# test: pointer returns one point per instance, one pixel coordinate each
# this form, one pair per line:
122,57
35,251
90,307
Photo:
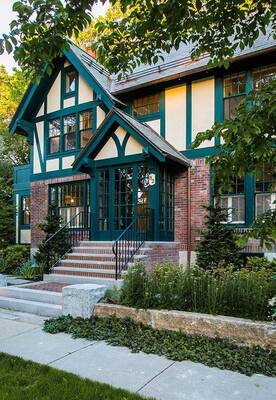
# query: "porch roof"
144,131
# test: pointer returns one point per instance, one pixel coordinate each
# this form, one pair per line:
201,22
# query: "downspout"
189,218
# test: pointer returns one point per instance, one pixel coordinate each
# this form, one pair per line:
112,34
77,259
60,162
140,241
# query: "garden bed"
238,330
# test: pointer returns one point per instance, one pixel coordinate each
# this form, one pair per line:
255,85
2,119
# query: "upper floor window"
69,131
234,201
54,135
263,75
233,93
70,82
146,105
85,127
25,210
265,189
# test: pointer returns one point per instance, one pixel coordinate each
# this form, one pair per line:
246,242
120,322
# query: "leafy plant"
26,270
173,345
218,245
113,294
16,255
56,247
243,293
3,264
260,263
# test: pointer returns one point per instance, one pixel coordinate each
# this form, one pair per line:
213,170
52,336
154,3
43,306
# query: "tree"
249,141
147,27
217,247
52,250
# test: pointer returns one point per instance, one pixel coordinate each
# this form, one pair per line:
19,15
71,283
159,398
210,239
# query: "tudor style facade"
113,149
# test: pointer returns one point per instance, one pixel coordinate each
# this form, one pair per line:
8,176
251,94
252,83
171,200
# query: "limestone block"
79,300
3,280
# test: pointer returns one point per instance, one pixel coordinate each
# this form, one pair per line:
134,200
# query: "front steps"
92,262
23,299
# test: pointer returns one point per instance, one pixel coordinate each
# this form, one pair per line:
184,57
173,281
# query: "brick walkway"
50,286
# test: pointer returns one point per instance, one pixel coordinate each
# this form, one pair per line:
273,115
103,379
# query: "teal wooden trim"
68,110
200,153
125,143
249,181
219,113
53,174
148,117
124,160
248,82
21,177
105,96
188,115
118,145
162,115
63,93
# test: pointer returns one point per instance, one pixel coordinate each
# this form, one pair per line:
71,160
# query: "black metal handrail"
130,240
68,236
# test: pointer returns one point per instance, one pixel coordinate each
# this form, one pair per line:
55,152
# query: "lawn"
25,380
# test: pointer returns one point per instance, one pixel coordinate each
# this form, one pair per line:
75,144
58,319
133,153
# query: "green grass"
174,345
25,380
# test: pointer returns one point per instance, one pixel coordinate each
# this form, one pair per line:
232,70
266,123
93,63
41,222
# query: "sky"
7,15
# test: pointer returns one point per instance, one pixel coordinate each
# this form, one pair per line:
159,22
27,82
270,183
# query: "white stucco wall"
100,116
154,124
175,116
53,97
203,107
85,91
109,150
67,162
70,102
52,165
133,147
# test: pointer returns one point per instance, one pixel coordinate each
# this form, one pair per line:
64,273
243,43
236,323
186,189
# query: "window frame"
50,137
80,131
232,96
150,114
21,218
65,72
75,132
264,192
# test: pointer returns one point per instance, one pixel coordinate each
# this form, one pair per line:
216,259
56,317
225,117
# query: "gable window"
69,132
234,201
233,93
263,75
146,105
25,210
265,189
54,136
85,127
70,82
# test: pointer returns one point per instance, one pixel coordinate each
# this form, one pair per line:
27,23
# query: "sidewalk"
148,375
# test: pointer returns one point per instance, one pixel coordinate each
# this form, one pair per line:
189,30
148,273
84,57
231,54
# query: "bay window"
263,75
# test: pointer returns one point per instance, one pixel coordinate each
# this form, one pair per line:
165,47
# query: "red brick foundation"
39,204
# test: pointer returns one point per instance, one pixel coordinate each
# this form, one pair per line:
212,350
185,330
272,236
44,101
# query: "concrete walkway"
149,375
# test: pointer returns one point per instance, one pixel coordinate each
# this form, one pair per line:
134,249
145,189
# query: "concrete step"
90,272
31,307
42,296
86,264
89,243
104,250
76,279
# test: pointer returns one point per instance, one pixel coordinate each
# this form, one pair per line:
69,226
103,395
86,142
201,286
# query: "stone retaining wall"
238,330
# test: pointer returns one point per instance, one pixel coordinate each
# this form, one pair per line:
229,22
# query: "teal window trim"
66,95
62,151
219,112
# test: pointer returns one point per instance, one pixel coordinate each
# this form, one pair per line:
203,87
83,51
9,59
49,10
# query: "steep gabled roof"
157,145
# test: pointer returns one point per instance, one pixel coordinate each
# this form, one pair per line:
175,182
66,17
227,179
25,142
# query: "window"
103,200
234,92
265,196
69,131
234,201
71,199
25,210
54,136
263,75
70,82
166,202
146,105
85,127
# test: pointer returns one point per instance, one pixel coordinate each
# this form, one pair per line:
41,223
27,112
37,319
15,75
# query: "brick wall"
200,194
39,203
161,252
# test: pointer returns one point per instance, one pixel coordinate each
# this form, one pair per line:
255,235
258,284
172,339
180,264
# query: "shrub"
16,255
29,270
218,246
3,264
241,293
113,295
260,263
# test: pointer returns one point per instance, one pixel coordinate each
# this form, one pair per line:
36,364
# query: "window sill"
63,153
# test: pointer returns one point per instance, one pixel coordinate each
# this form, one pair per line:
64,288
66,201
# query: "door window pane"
124,207
25,210
103,199
166,202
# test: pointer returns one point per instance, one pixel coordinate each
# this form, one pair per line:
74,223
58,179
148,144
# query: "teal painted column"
249,198
188,115
219,112
162,115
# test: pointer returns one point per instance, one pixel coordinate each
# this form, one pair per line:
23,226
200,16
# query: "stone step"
76,279
104,250
89,243
31,307
94,264
42,296
89,272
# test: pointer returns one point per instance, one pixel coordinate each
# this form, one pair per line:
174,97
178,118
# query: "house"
108,152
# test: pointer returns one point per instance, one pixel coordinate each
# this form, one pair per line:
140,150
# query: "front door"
123,193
